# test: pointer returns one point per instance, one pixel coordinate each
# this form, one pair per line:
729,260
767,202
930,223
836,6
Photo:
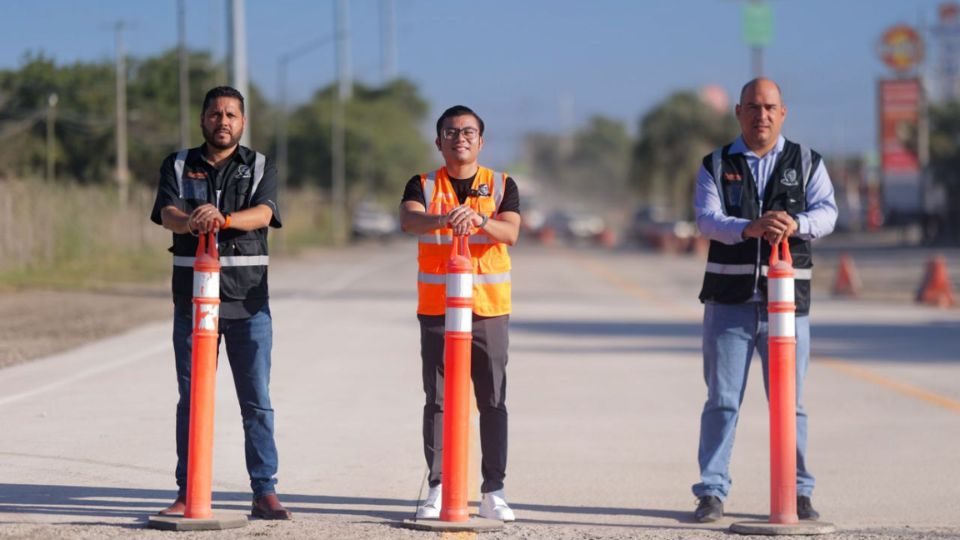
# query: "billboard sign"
901,48
900,106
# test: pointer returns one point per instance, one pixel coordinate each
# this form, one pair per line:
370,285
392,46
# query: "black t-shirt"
510,202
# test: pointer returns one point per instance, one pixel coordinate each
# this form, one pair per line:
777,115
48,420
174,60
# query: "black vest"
243,254
733,271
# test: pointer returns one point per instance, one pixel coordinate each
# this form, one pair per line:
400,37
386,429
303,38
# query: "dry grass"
63,235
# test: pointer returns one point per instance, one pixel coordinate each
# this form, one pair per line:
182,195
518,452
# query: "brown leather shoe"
176,508
269,507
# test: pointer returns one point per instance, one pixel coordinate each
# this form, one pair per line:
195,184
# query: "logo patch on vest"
732,177
198,175
482,191
789,178
243,171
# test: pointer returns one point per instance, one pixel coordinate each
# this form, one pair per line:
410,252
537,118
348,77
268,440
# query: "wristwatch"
483,221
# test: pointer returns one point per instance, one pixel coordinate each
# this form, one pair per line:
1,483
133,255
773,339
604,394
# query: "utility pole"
338,161
184,74
123,172
238,58
51,140
388,41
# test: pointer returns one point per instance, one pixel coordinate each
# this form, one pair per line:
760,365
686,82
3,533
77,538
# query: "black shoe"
805,509
709,509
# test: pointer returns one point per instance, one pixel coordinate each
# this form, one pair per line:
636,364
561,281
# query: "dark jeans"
248,344
488,370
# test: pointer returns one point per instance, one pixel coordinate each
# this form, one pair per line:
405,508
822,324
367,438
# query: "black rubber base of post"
474,524
802,528
217,522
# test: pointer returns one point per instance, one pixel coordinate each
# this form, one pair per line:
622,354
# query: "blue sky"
522,64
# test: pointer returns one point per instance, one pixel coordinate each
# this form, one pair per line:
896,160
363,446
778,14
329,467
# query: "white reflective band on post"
798,273
782,325
780,290
237,260
459,285
206,284
208,316
730,269
458,320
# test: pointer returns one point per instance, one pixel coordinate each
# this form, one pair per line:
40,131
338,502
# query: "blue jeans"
248,349
730,334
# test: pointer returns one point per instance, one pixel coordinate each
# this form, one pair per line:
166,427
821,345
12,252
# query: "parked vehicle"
369,220
654,227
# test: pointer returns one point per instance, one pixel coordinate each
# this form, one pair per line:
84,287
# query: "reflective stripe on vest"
178,168
798,273
236,260
446,240
478,279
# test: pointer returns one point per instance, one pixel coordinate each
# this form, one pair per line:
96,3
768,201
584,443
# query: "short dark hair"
455,111
219,92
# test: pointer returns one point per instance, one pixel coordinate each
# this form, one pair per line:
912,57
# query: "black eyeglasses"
452,134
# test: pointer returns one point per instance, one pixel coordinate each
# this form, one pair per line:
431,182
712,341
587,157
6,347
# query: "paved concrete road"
605,392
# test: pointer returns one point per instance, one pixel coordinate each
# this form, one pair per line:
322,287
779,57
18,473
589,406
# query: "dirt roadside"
38,323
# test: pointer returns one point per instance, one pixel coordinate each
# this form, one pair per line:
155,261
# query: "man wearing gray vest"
222,186
751,194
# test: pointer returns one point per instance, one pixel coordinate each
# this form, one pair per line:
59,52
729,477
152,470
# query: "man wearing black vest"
222,186
752,194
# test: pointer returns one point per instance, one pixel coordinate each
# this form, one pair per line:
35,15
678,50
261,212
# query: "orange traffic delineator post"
936,288
198,514
847,281
458,338
782,366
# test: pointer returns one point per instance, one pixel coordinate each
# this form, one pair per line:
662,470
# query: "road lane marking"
891,384
135,357
839,365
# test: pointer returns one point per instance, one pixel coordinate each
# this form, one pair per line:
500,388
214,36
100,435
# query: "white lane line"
135,357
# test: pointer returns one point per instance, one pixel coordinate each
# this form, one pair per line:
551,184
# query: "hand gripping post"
458,338
206,316
782,361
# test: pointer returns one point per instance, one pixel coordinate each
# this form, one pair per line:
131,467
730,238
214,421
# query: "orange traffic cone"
847,282
936,288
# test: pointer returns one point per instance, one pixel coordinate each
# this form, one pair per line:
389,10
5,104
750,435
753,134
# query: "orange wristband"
226,221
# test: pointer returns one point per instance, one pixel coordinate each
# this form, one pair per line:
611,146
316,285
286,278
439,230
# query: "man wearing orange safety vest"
464,198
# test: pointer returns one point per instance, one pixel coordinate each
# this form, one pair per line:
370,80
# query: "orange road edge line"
891,384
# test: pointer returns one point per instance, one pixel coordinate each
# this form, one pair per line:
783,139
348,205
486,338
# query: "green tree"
945,167
591,163
85,115
673,138
384,143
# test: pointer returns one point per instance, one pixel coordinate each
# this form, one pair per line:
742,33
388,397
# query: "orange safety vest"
491,262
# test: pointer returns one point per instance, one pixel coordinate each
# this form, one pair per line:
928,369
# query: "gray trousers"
488,370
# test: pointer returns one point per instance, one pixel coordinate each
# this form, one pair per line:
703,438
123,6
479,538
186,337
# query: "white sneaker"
494,506
431,506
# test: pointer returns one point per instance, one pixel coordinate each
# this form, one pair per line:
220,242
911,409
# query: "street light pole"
338,161
51,156
123,172
184,74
